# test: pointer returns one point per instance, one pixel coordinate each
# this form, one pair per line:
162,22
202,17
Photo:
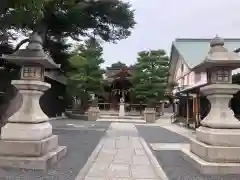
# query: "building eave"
173,62
56,76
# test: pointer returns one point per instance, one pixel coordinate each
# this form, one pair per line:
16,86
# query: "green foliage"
150,75
20,14
58,20
85,74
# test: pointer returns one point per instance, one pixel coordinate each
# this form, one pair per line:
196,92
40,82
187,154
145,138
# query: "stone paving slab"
122,156
169,146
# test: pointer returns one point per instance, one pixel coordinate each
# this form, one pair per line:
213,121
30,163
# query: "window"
222,75
29,72
197,77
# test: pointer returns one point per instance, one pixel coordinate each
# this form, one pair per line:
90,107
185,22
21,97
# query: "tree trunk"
42,29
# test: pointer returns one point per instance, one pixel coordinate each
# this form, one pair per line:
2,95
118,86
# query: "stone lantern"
27,140
93,111
149,114
216,149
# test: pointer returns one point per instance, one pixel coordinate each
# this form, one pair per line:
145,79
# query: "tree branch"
21,43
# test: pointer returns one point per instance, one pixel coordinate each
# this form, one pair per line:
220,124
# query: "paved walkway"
124,155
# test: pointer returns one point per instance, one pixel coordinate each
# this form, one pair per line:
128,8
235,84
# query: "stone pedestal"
150,115
216,149
93,113
27,140
121,110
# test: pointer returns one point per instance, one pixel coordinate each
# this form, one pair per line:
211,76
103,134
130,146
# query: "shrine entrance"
120,88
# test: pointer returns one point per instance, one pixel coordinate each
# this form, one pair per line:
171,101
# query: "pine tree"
150,76
85,76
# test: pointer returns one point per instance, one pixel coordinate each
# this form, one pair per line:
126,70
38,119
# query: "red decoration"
124,70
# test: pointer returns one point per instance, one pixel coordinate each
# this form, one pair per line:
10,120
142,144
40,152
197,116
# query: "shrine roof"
121,73
118,65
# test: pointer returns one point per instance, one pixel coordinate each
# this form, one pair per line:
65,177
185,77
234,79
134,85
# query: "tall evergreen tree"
85,75
150,76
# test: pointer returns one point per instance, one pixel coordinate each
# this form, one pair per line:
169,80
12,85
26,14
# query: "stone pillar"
150,115
175,104
28,118
27,140
121,108
93,113
162,103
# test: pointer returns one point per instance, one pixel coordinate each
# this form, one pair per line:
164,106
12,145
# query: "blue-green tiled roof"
194,51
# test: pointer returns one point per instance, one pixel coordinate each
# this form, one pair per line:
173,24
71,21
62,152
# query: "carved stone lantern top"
33,60
219,56
32,55
219,63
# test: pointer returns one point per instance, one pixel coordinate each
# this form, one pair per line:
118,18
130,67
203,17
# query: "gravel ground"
176,168
80,141
155,134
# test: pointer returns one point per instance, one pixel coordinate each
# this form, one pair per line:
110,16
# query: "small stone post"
27,140
121,108
216,149
150,115
162,104
93,111
176,106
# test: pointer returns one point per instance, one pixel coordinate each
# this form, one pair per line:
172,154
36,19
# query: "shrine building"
186,54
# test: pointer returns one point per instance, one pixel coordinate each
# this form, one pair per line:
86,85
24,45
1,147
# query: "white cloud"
161,21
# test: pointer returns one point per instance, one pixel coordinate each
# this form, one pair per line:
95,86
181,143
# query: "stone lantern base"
27,140
216,149
150,115
93,113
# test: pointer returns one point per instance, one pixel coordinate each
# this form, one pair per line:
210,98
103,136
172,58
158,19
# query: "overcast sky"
159,22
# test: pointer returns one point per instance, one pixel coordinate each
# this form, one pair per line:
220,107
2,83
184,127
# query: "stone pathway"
123,156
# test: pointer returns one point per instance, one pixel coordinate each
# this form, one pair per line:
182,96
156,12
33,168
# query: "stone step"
123,120
225,154
124,117
37,163
210,167
28,148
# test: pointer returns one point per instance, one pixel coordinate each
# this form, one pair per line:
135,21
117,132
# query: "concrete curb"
188,133
83,172
57,118
156,166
